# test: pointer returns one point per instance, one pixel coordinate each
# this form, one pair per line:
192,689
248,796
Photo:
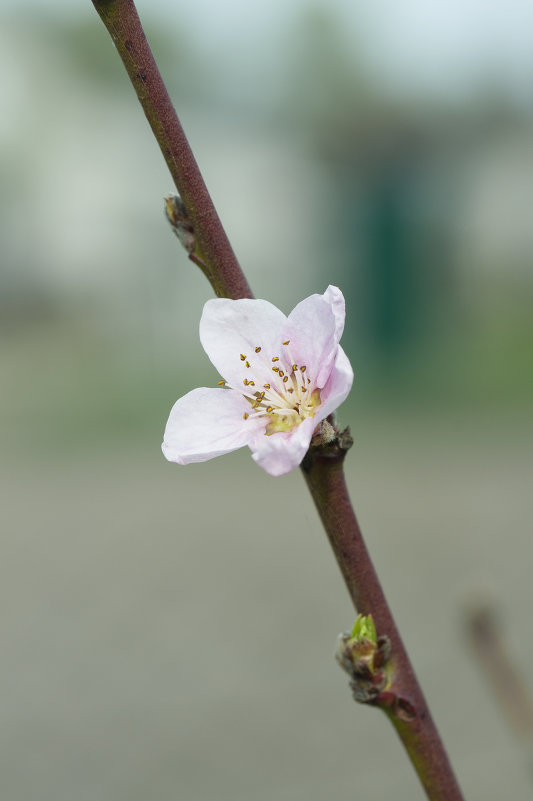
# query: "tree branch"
195,220
403,701
213,252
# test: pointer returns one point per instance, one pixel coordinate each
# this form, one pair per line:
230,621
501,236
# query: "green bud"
365,657
364,629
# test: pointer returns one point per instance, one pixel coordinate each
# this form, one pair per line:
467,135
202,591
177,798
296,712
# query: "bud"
358,649
364,629
364,656
180,222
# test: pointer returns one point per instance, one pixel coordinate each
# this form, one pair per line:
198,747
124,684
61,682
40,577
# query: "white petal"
282,452
337,387
229,328
313,328
206,423
335,298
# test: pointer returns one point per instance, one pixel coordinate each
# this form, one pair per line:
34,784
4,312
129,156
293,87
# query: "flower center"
277,388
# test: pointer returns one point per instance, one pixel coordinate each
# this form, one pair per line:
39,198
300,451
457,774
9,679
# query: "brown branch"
207,244
403,702
486,635
214,252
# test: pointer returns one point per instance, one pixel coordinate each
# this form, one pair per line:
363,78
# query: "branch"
487,636
196,222
403,700
213,252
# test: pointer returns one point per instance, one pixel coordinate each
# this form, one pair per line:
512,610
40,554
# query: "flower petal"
206,423
337,387
335,298
313,328
282,452
229,328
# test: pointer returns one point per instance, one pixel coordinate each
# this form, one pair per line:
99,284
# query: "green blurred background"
167,633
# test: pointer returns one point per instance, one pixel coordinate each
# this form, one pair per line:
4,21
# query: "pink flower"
281,377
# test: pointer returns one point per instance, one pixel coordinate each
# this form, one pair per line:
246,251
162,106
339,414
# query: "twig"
403,701
485,633
208,246
213,253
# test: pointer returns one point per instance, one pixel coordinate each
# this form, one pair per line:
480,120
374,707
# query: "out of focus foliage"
419,207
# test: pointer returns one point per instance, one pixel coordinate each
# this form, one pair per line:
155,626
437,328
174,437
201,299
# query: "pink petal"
313,328
337,387
206,423
229,328
282,452
335,298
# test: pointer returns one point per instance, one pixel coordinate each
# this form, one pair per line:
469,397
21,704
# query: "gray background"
168,633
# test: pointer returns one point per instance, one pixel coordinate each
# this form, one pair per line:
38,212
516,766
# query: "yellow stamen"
284,411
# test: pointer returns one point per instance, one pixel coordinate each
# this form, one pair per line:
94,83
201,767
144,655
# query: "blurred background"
165,636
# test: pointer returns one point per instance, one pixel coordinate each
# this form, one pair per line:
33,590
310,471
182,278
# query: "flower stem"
405,704
213,253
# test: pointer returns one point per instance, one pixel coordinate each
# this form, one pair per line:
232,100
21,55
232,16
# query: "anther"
294,368
266,386
308,380
221,383
245,416
276,369
251,383
247,364
291,390
287,341
275,358
245,382
257,349
285,379
243,357
270,409
281,373
303,369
